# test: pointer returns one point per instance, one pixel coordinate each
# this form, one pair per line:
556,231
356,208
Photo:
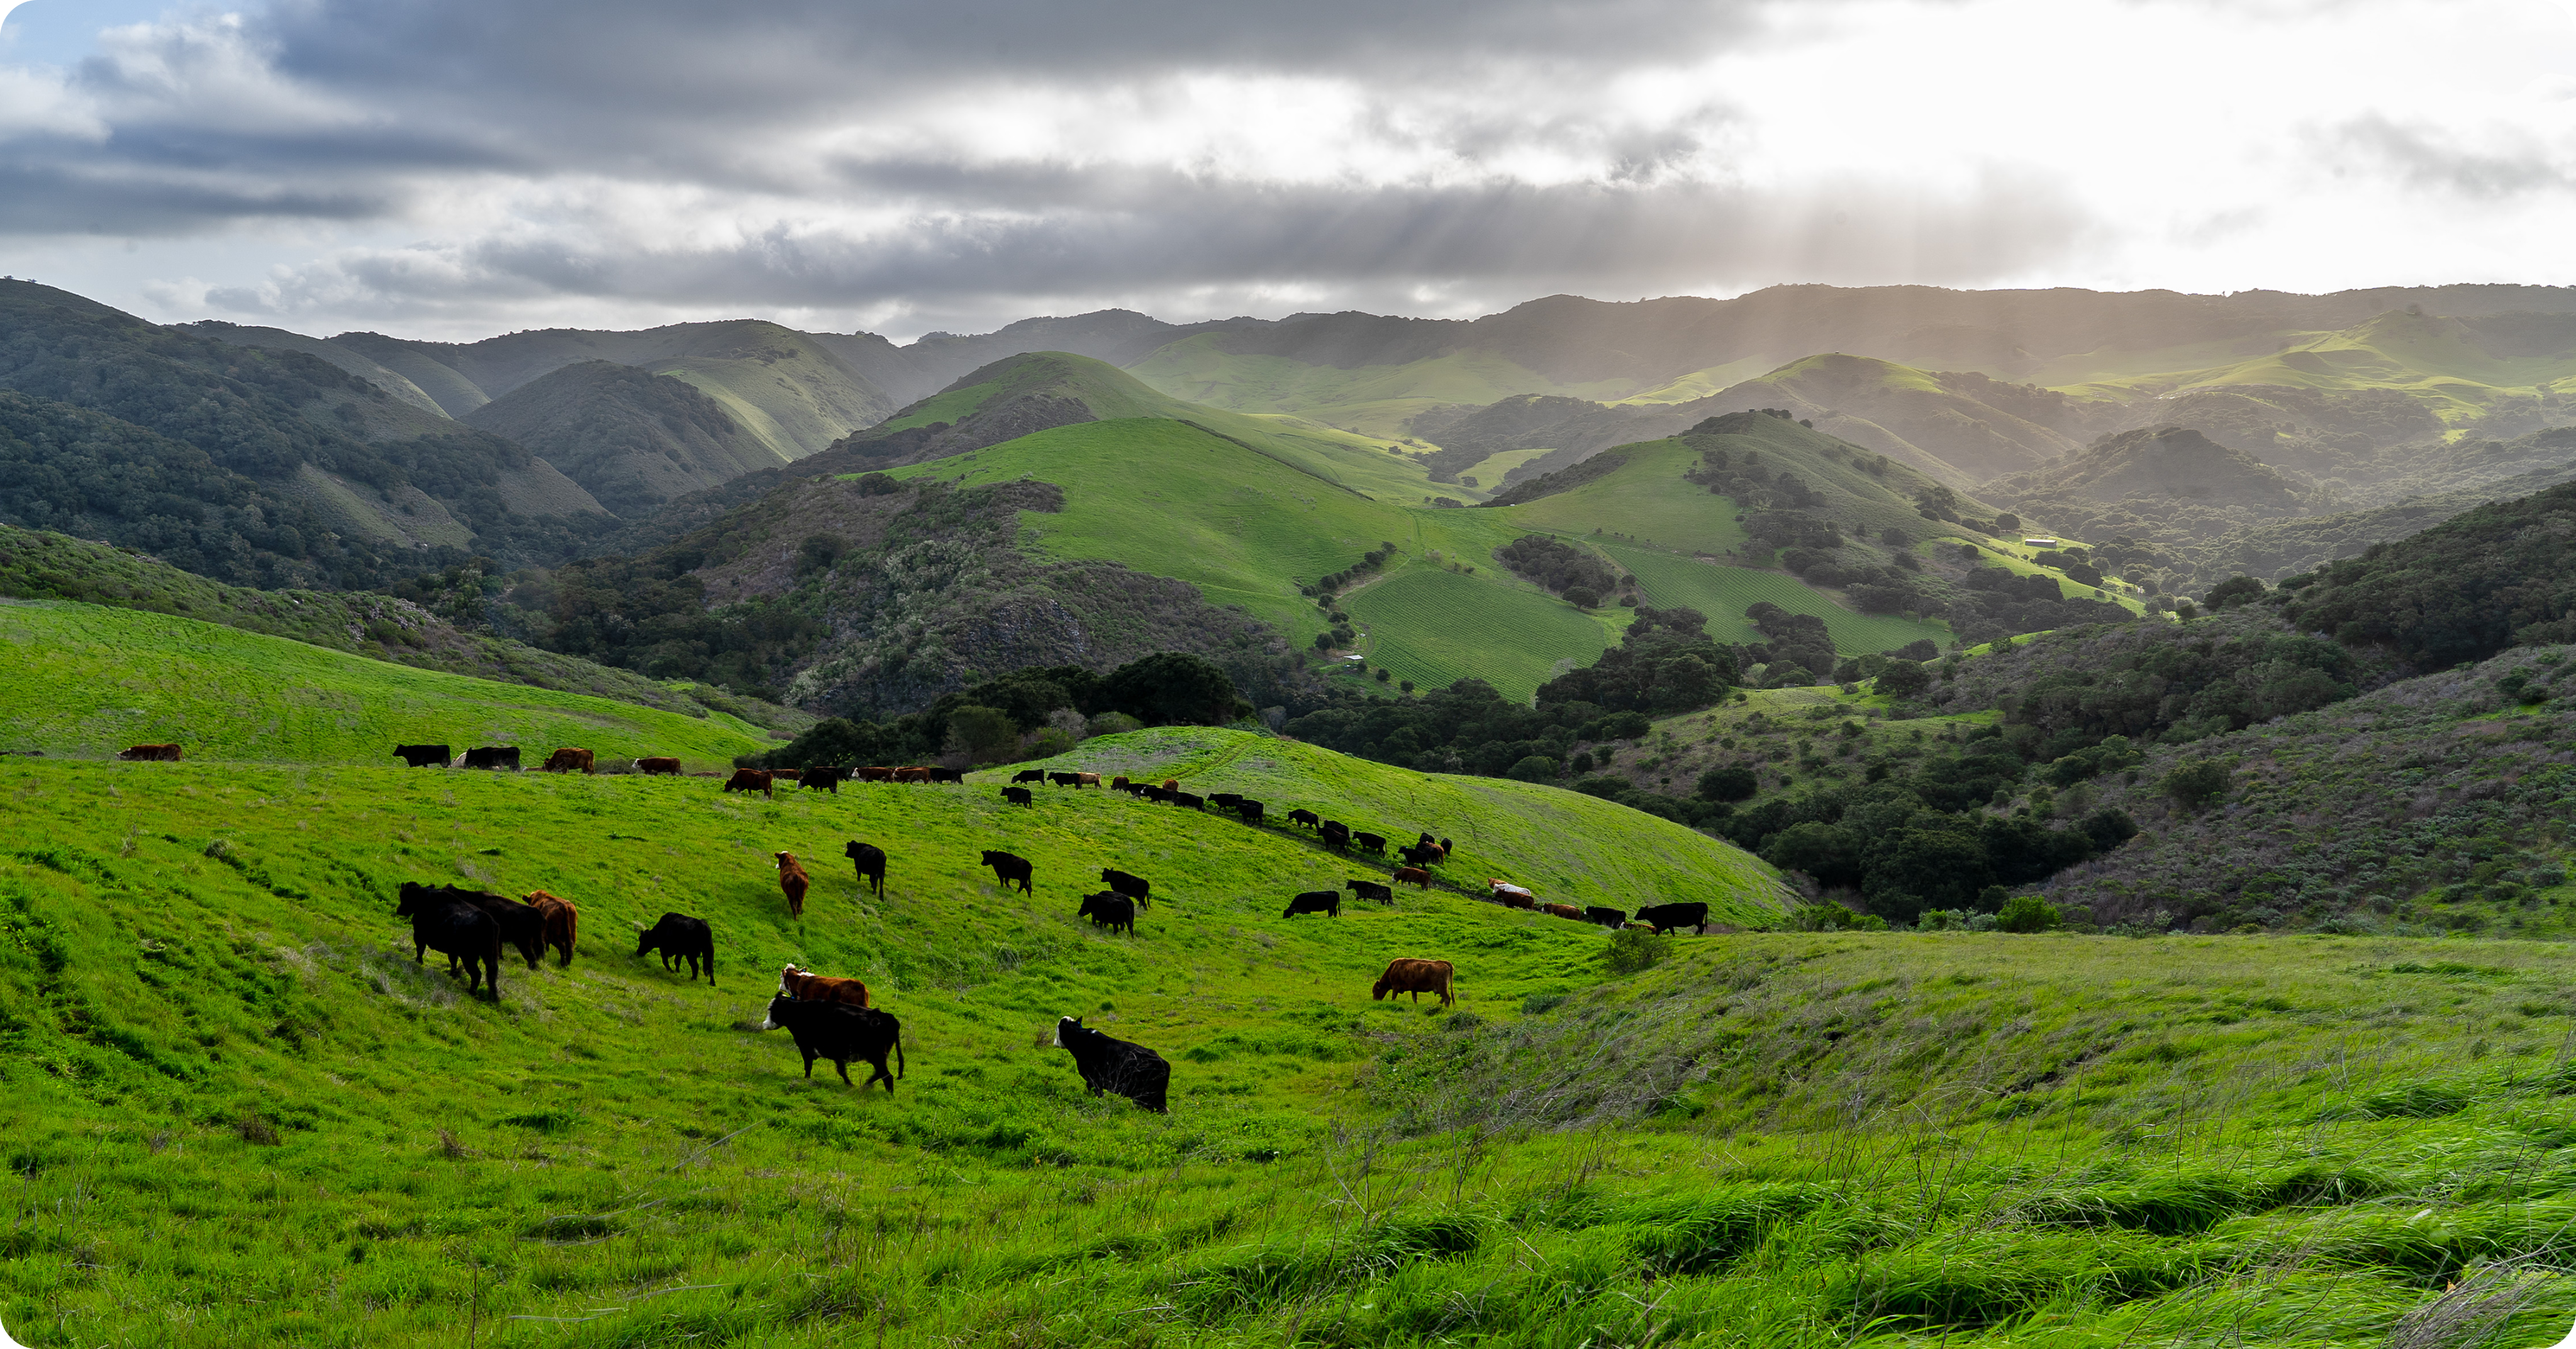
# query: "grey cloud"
2417,159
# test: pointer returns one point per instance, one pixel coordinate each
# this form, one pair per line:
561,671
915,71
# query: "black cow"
1371,843
829,779
1606,917
522,924
1447,847
1337,835
1225,800
1186,801
1306,817
840,1032
1019,796
493,757
1028,775
1064,779
454,929
1249,810
1110,909
1007,869
1107,1064
871,862
1136,888
1665,917
1422,856
680,937
1156,795
957,775
1315,901
1384,894
423,756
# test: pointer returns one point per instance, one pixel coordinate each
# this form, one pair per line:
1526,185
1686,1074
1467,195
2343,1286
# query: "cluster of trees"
1033,714
1747,480
1796,640
1371,563
648,615
1581,578
2498,576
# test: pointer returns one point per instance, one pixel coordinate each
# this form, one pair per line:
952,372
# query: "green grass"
1374,399
1434,627
1645,499
82,680
1724,593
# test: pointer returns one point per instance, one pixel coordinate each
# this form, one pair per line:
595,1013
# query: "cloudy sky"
453,168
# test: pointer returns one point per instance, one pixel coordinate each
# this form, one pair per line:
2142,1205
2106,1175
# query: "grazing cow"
455,929
1306,817
1510,896
786,774
566,760
1249,810
1383,894
1371,843
1111,910
871,862
1416,977
562,922
749,780
911,775
956,775
1121,784
679,937
422,756
1606,917
1136,888
1061,779
1418,856
793,882
1315,901
1413,875
1028,775
493,757
1154,794
1008,869
1187,801
829,779
876,775
520,924
1082,780
1337,835
807,986
1563,911
1018,796
1225,800
1447,848
1107,1064
835,1031
1171,784
1666,917
661,767
150,753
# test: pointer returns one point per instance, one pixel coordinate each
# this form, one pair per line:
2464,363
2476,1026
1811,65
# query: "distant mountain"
2493,471
278,339
1961,428
633,439
2166,483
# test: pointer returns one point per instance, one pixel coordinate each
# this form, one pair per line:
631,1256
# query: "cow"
1413,876
1418,856
1606,917
149,753
793,882
492,757
1306,817
1018,796
1154,794
1436,849
1225,800
956,775
871,862
1131,788
1008,869
1315,901
679,937
910,775
562,922
1447,848
876,775
1417,977
1249,810
661,767
807,986
1136,888
1510,896
566,760
1082,780
1666,917
455,929
423,756
1121,784
1171,784
749,780
1111,910
1337,835
829,779
1383,894
520,924
1371,843
1061,780
830,1030
1186,801
1107,1064
786,774
1028,775
1563,911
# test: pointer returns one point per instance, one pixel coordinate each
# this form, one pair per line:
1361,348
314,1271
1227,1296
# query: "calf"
871,862
1414,876
829,779
1563,911
1111,910
493,757
1249,810
1018,796
1606,917
1383,894
830,1030
454,929
1107,1064
1306,817
562,922
807,986
1028,775
1136,888
1371,843
660,767
793,882
749,780
1663,918
566,760
150,753
1416,977
679,937
1447,848
1062,779
1008,870
422,756
1315,901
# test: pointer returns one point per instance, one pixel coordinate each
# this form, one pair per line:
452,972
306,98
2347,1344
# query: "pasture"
1434,627
1724,593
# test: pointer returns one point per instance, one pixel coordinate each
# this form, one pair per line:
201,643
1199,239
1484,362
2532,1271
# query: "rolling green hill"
633,439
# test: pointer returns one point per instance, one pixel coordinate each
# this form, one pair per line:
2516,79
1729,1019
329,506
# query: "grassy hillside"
1374,400
633,439
84,681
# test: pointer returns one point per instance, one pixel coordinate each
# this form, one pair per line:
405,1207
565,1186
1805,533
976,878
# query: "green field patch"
1724,593
1434,627
1645,499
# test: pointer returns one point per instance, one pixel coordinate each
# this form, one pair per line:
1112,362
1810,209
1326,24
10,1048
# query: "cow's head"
776,1005
786,860
1064,1023
413,892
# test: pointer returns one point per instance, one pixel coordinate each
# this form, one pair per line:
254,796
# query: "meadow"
1724,593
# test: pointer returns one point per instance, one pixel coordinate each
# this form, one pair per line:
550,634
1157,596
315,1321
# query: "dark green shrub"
2200,783
1631,952
2028,913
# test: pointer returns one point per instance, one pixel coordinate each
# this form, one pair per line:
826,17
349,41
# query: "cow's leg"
809,1065
844,1066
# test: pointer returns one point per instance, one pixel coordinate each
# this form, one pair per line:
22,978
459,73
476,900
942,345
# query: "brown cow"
793,881
566,760
1082,780
1416,977
1171,784
807,986
562,921
1515,899
1564,911
1118,784
788,774
1416,875
874,774
912,775
658,767
150,753
748,780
